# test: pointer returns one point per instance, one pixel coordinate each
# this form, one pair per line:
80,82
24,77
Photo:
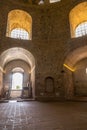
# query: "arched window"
78,20
19,25
19,33
81,29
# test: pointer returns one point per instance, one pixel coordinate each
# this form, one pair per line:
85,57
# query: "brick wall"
51,41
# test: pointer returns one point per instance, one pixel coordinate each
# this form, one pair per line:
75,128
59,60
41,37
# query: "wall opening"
80,78
49,83
78,16
18,61
75,82
19,25
17,81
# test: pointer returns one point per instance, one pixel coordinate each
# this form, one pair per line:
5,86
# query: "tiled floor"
35,115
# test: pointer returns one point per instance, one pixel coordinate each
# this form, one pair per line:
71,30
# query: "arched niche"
49,84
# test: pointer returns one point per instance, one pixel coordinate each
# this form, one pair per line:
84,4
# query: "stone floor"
35,115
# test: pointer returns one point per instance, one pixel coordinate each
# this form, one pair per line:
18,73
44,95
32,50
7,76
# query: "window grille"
19,33
81,30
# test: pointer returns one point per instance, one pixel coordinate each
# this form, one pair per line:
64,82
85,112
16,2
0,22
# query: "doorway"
17,81
17,85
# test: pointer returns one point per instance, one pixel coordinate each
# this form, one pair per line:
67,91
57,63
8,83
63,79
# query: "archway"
70,69
14,60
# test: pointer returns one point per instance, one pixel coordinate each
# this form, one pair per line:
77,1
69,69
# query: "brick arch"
75,56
